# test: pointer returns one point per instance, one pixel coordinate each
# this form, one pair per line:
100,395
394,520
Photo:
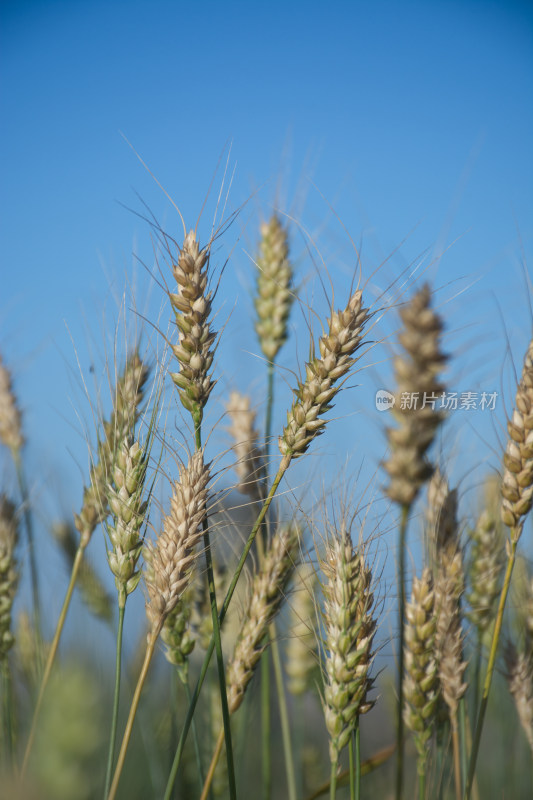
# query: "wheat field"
287,638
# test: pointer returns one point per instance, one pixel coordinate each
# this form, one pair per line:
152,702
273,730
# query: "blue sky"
406,126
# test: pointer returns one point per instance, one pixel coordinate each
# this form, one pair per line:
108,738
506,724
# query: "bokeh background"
399,131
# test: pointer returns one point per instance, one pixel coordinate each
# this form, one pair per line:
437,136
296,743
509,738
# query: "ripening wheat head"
169,560
266,597
10,417
314,395
191,304
517,485
349,629
417,378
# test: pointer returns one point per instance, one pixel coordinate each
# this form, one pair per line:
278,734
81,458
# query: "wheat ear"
8,572
421,669
127,401
520,681
192,305
349,630
274,287
302,645
314,395
92,590
11,434
250,457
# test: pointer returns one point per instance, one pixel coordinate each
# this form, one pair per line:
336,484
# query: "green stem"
23,487
197,753
266,755
401,659
439,762
179,751
268,415
217,639
422,783
114,719
356,746
283,713
150,646
492,661
52,654
477,672
266,761
351,768
463,721
333,781
299,727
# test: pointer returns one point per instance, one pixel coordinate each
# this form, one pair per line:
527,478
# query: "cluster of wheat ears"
450,613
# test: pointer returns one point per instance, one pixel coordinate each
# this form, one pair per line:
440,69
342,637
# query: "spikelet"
8,573
90,586
302,644
10,418
484,571
421,688
266,597
520,682
418,391
250,466
517,484
125,498
170,559
129,394
349,628
274,287
314,395
192,305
